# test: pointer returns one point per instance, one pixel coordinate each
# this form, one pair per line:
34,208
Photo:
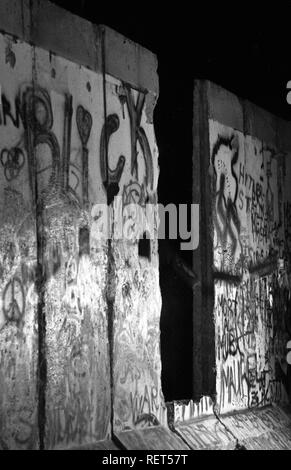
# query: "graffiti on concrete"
138,135
110,178
84,124
13,300
227,223
12,161
6,113
252,291
58,158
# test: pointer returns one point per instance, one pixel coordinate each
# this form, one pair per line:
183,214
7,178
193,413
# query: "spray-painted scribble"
14,300
138,135
227,223
251,287
84,124
110,178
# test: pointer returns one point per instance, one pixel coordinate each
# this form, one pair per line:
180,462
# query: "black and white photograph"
145,229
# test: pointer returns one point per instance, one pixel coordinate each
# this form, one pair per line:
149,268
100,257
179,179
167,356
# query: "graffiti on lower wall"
18,262
252,295
138,398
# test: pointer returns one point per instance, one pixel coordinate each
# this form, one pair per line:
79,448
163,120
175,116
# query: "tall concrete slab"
246,166
79,319
18,258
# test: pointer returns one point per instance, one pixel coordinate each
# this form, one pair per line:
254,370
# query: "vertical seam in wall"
208,335
110,268
40,280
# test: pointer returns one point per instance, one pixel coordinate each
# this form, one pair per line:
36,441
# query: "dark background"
242,47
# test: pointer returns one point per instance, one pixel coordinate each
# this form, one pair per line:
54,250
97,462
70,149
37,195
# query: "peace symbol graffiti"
13,300
12,161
